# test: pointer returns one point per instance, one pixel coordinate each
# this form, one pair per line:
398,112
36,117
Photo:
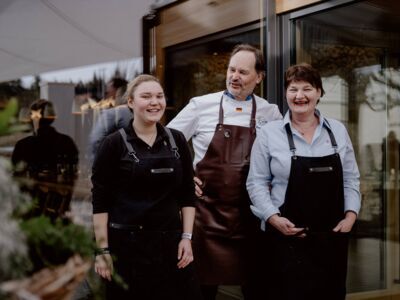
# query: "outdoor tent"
46,35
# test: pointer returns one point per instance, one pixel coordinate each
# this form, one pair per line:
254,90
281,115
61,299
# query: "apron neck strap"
331,136
291,141
131,151
172,143
253,112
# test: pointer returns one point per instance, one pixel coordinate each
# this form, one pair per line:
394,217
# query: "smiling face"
302,97
241,76
148,102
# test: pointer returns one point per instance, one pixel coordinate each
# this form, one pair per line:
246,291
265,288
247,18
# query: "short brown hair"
304,72
260,64
137,81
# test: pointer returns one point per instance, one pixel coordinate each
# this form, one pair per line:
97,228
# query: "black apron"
145,257
313,267
224,222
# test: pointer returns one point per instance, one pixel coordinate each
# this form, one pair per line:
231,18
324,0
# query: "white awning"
37,36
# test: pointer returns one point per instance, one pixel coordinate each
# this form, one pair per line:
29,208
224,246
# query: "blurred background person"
49,158
84,99
115,89
112,119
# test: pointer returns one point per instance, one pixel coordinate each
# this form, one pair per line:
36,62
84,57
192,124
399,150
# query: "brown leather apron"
223,218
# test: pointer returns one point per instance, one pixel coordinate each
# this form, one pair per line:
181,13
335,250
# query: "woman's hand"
347,223
103,266
285,226
185,253
197,184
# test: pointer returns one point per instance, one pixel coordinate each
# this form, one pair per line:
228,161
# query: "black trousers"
308,268
250,292
146,263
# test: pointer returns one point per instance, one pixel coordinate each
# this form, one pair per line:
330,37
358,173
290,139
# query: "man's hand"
198,183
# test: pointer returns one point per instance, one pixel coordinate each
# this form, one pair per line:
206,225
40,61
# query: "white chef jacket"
198,119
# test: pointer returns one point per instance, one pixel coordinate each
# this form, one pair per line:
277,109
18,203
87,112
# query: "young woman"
143,203
304,186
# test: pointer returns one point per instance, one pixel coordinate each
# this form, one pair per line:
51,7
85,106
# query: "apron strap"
331,136
291,141
131,151
221,111
253,114
174,148
252,117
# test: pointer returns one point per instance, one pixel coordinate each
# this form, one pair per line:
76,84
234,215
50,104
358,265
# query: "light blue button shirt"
271,160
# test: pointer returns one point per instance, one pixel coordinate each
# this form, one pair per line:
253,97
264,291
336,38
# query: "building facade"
356,47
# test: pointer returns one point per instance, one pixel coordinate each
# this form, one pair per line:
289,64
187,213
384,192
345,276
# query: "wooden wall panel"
197,18
287,5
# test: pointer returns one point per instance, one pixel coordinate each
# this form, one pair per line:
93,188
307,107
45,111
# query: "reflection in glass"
357,50
200,68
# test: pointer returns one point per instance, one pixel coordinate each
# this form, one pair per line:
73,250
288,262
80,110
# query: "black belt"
141,227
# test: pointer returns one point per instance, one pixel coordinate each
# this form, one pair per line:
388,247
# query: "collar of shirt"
286,119
131,134
233,97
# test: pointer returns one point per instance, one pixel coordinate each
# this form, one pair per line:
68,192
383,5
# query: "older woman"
143,203
304,186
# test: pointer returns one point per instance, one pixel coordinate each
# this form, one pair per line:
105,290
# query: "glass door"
357,50
199,67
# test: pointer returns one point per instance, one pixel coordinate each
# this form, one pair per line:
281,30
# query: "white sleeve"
187,120
277,113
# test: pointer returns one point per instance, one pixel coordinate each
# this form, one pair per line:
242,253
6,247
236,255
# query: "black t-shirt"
149,192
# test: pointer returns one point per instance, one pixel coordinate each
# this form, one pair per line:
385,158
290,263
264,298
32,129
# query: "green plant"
8,122
53,242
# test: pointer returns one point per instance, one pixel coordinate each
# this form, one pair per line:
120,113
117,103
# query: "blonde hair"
132,86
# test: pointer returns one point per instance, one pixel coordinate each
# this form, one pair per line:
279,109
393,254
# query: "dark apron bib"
313,267
146,259
223,217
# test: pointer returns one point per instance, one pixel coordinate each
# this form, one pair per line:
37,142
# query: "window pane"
357,50
200,68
